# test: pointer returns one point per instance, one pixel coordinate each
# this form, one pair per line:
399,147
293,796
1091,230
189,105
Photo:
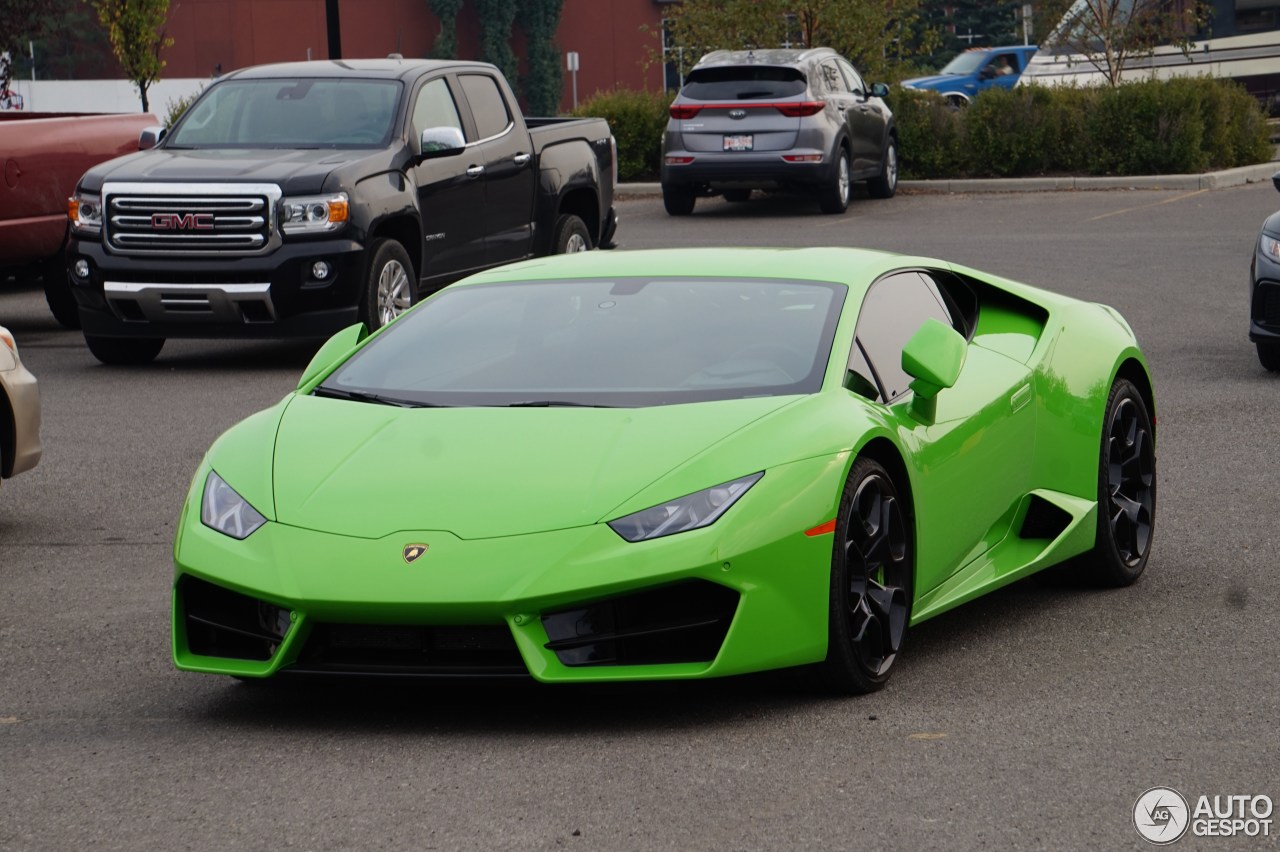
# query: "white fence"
101,95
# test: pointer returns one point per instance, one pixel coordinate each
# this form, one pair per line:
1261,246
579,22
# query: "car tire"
1269,355
571,235
872,574
833,197
124,351
1126,490
737,196
957,101
57,292
391,285
885,184
678,199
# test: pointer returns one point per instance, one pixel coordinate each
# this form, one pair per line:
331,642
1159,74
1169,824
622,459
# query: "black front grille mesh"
411,649
223,623
680,623
1266,304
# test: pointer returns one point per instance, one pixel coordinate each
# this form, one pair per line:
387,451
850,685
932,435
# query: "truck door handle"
475,171
520,159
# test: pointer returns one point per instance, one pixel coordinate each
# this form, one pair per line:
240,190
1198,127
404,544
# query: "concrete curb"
1210,180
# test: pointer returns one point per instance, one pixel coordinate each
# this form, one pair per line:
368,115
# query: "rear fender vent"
1043,519
681,623
223,623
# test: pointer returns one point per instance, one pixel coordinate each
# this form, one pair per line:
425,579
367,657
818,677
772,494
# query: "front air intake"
681,623
223,623
411,649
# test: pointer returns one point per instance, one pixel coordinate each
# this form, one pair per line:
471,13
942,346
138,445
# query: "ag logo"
413,551
1161,815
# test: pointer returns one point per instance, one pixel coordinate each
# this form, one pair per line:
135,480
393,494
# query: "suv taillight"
683,111
801,109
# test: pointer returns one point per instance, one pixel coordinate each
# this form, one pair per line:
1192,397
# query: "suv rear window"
742,83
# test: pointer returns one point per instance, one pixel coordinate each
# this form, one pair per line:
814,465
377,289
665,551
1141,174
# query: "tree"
875,34
496,19
542,83
20,21
135,29
446,46
1112,33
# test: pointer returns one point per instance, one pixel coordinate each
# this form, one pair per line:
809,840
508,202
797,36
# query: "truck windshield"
631,342
291,113
965,63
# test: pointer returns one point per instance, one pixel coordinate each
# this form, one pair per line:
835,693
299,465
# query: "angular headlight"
1270,247
685,513
85,212
314,214
224,510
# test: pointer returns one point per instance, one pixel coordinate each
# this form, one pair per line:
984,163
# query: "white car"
19,411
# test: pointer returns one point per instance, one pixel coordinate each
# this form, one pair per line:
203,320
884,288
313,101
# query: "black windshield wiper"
554,403
366,396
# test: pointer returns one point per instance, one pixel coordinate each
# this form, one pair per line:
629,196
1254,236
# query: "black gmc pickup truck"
293,200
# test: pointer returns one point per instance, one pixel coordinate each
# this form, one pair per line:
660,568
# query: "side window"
1004,64
894,310
488,107
832,81
859,377
854,81
434,108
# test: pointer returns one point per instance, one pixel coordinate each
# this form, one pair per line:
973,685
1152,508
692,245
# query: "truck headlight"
313,214
1270,247
85,212
690,512
222,509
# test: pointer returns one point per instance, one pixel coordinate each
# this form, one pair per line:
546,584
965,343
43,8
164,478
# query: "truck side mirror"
988,72
150,137
933,357
442,142
333,349
879,90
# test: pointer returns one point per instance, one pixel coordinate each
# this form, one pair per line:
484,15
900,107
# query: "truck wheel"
571,235
834,196
124,351
57,292
678,199
391,287
886,183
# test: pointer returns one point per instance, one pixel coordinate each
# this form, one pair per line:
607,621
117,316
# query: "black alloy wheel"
1126,489
872,573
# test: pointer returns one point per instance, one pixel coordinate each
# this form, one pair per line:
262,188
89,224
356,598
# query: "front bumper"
260,296
577,604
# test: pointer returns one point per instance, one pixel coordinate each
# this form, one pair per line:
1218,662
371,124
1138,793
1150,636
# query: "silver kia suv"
780,120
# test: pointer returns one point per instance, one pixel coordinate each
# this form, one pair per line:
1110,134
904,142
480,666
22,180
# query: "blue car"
975,70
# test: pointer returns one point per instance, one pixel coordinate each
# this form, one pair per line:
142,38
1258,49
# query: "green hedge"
1155,127
638,120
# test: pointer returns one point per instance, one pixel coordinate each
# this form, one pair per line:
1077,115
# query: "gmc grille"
159,218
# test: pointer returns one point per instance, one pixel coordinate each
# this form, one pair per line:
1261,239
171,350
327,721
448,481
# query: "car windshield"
629,342
965,63
290,113
743,83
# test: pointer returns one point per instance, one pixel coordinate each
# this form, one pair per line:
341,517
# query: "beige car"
19,411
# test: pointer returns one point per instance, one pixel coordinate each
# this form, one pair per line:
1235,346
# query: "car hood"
295,171
368,470
937,81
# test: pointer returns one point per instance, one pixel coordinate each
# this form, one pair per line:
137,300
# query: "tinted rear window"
743,83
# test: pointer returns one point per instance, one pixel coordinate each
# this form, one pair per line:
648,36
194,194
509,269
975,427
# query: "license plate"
742,142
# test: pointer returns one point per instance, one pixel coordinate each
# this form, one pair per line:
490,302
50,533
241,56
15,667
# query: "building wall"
612,37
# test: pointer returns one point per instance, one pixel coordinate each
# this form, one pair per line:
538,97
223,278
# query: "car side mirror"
442,142
150,137
1275,181
932,357
334,348
879,90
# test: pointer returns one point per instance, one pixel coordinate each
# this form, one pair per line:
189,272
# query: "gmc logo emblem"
182,221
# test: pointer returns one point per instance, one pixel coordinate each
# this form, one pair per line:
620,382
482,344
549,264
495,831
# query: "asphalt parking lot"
1032,718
